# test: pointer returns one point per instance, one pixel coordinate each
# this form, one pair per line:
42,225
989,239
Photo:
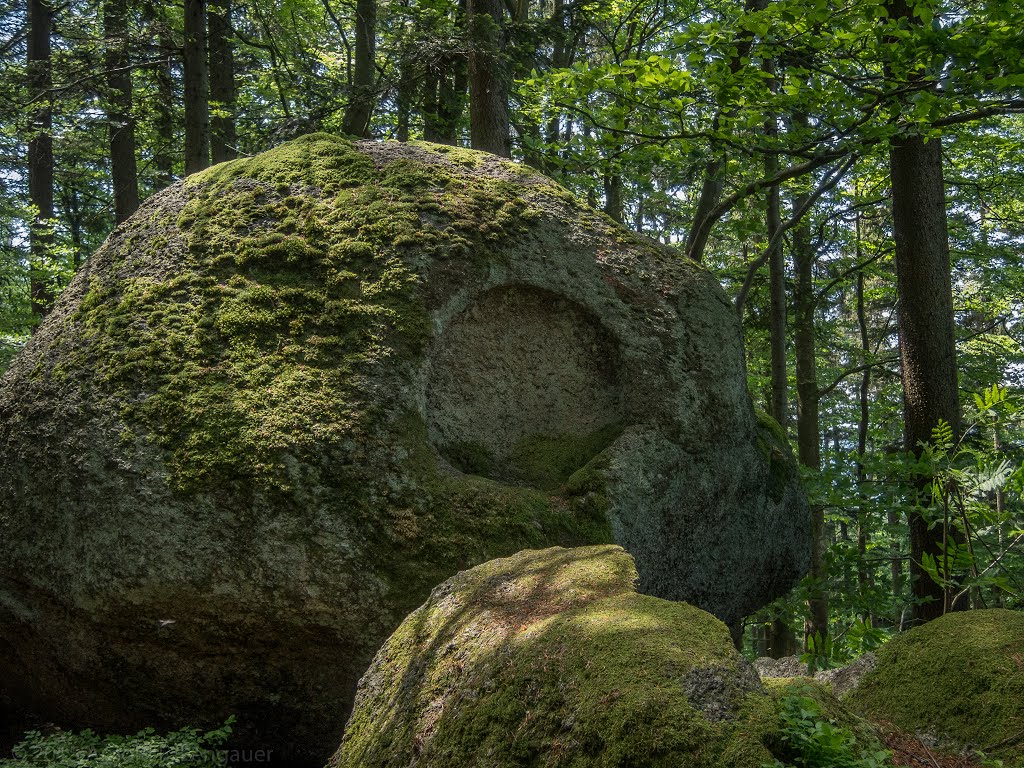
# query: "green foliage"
185,748
813,741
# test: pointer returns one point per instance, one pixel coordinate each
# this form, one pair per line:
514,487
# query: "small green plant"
186,748
969,479
811,740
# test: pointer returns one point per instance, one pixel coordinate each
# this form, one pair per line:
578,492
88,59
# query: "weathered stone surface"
298,390
552,658
846,679
787,666
957,681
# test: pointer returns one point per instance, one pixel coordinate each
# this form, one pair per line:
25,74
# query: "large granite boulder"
296,391
552,658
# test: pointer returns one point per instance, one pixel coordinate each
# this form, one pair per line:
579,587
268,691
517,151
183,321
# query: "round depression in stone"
520,365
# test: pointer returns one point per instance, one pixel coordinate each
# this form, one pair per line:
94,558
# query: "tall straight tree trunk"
488,90
40,154
121,124
197,88
357,114
613,195
222,82
163,105
924,317
777,312
451,102
808,429
864,391
924,320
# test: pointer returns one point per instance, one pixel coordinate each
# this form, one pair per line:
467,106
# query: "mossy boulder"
957,681
296,391
553,658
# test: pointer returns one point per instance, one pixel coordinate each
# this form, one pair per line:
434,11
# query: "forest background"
851,170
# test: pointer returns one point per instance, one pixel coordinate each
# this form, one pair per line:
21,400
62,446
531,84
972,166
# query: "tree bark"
121,124
163,105
360,106
808,397
488,90
197,88
924,317
613,195
863,577
223,140
777,308
40,154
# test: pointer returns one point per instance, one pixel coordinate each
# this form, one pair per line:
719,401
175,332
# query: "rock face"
552,658
296,391
957,681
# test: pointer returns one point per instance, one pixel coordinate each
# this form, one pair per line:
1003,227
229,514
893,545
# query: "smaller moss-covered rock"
958,680
552,658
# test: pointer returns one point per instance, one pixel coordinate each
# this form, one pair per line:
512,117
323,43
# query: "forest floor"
908,751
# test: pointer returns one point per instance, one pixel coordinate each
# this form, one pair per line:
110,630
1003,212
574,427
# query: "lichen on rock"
296,391
957,681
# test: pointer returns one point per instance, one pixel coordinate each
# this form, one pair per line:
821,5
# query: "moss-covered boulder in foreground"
296,391
552,658
957,680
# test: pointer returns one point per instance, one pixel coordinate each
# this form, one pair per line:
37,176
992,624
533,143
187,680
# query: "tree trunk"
613,195
924,317
451,102
123,170
197,89
40,154
714,171
163,106
360,106
808,416
862,425
777,309
488,91
222,82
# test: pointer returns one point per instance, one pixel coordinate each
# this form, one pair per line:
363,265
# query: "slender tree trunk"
430,107
163,106
808,418
360,107
777,310
613,195
123,170
488,90
40,154
714,171
222,82
862,425
451,100
197,88
403,107
924,318
72,208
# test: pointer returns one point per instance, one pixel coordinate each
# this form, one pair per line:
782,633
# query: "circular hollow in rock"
523,387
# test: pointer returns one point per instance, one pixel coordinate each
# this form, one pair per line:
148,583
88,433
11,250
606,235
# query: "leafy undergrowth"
185,748
812,737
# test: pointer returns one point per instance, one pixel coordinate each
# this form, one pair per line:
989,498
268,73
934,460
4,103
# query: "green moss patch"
552,658
299,282
959,679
